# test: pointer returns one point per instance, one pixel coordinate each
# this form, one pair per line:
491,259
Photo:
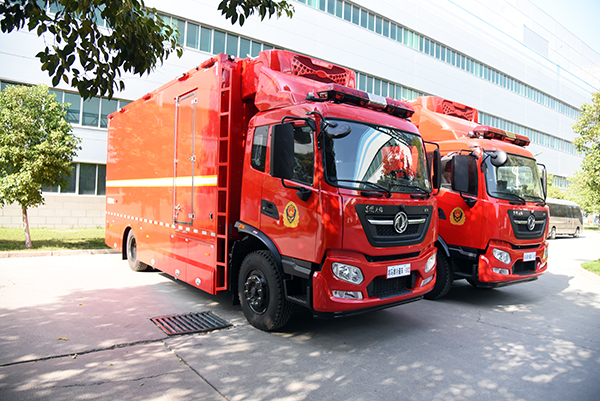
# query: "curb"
27,254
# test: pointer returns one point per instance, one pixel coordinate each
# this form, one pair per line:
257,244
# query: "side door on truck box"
292,223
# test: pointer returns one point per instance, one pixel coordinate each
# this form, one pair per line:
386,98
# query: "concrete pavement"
78,327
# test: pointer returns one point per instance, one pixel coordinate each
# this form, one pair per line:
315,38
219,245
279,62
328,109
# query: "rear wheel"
260,288
134,263
552,233
444,277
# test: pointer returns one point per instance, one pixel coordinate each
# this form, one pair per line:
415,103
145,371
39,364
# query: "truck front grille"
528,224
382,228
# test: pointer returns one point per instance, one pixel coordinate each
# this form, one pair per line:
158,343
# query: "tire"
552,233
260,288
131,250
444,277
576,233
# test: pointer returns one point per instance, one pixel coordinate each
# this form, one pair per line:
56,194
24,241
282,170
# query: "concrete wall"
59,211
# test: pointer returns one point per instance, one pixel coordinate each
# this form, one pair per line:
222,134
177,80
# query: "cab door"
292,223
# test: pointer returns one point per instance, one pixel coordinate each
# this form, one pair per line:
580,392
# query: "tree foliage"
84,54
90,57
588,144
229,8
36,146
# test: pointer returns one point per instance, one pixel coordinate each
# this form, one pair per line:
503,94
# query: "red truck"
493,220
275,179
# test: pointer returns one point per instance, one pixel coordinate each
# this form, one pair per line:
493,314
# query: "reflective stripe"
206,180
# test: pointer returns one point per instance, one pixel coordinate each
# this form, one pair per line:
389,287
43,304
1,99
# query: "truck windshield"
518,179
376,158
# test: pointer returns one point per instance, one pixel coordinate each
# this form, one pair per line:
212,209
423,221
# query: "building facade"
521,69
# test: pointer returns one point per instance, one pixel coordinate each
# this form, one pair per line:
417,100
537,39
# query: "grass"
47,239
593,266
590,227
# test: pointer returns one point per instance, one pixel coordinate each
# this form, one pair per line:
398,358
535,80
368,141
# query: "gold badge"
291,216
457,217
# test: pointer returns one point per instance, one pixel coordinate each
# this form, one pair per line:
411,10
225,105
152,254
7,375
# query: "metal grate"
190,323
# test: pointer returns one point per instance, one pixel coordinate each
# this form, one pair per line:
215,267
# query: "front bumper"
377,290
492,271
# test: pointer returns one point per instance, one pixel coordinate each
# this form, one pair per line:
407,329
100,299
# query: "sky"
580,17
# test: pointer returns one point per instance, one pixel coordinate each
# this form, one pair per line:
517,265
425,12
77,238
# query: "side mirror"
499,158
282,151
544,180
437,169
464,177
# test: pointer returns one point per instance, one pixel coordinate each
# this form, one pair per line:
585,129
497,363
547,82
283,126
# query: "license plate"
398,270
528,256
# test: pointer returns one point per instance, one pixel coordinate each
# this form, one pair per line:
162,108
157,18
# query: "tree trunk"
26,228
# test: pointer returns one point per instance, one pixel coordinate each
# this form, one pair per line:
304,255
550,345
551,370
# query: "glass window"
362,83
218,42
355,15
267,47
347,12
339,8
58,94
75,106
193,32
180,25
364,17
304,155
331,7
256,48
205,39
377,87
244,47
101,183
370,84
232,45
87,179
378,25
371,22
259,147
71,179
393,31
384,88
107,107
91,112
386,28
322,5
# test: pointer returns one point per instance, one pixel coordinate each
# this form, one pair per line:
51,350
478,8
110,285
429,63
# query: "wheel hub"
256,292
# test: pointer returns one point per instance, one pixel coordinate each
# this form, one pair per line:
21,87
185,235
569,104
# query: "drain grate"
190,323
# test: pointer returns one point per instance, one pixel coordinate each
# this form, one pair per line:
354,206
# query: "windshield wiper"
377,186
541,202
416,187
511,194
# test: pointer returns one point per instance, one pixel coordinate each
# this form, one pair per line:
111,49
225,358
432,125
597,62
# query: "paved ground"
77,328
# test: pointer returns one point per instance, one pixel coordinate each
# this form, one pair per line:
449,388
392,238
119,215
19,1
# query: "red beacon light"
343,94
487,132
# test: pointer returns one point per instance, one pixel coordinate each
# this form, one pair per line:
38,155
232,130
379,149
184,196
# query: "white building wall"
511,36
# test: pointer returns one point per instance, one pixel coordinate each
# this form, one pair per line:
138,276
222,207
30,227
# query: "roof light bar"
487,132
343,94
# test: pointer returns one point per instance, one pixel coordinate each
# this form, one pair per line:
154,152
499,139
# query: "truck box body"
191,188
495,214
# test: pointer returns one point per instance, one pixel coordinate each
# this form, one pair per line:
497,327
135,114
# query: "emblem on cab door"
291,217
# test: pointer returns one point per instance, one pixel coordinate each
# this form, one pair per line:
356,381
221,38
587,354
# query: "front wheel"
260,288
134,263
552,233
444,277
576,233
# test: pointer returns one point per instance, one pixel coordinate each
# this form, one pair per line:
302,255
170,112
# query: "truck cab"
493,220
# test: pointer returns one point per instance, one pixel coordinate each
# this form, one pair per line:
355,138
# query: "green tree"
36,147
581,193
588,144
91,58
229,8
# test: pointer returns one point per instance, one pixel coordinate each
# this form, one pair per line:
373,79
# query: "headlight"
502,256
430,263
351,274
